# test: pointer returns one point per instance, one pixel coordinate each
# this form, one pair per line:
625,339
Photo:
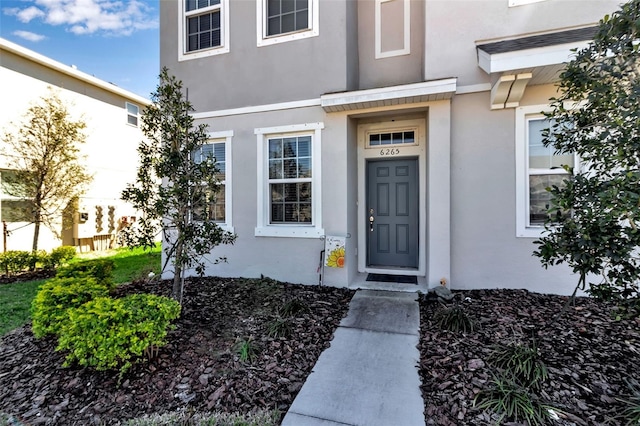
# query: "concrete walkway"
369,375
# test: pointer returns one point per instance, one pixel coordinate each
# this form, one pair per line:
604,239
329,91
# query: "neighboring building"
410,130
112,116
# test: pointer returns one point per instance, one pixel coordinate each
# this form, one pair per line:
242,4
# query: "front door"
392,213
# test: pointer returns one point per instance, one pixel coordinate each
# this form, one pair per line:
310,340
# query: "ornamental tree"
44,153
597,117
172,189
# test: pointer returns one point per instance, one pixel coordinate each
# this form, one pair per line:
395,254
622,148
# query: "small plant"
453,318
630,414
522,362
108,333
246,350
280,327
185,418
511,401
15,261
49,308
100,269
292,307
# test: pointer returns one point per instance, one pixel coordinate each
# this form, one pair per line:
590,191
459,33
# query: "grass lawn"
15,298
15,308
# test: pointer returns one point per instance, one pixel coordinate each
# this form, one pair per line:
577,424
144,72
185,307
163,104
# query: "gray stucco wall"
485,252
453,27
250,75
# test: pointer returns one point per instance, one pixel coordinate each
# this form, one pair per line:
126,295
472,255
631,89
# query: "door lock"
371,219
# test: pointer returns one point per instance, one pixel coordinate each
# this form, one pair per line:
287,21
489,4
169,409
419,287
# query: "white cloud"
25,15
110,17
28,35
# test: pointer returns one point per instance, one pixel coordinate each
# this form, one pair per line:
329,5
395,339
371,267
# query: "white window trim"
183,55
378,31
126,108
523,114
261,19
217,137
266,229
513,3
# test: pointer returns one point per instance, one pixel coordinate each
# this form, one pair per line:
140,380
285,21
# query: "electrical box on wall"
83,217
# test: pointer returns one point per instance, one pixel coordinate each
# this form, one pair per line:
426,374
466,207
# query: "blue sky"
114,40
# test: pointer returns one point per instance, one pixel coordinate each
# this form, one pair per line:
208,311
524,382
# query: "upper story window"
289,181
286,20
538,168
203,28
132,114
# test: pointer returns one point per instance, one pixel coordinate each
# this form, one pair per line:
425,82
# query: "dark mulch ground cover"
588,353
40,274
198,370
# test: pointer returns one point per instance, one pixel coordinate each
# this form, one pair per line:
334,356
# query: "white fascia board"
388,93
528,58
72,72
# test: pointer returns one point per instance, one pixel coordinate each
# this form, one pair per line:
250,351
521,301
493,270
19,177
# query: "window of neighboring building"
392,28
538,168
203,28
219,203
15,204
289,181
286,20
132,114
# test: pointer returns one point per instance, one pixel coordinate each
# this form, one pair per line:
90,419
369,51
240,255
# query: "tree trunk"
177,277
36,235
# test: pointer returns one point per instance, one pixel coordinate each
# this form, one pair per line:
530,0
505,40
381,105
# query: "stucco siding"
453,27
485,252
250,75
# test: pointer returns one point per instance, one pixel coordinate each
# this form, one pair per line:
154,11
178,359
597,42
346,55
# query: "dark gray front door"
392,213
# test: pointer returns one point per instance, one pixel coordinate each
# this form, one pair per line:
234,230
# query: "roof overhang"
533,59
428,91
37,58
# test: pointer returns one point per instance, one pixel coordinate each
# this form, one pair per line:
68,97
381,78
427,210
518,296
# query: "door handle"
371,220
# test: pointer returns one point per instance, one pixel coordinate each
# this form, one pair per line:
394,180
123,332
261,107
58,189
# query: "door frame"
365,153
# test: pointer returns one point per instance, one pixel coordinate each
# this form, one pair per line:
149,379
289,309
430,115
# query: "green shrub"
246,350
522,362
280,327
511,401
56,296
100,269
15,261
58,257
453,318
292,307
108,333
630,414
185,418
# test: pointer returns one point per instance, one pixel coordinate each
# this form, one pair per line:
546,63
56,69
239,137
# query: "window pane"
273,26
288,23
275,148
205,22
290,147
277,192
132,119
374,140
277,213
288,6
275,169
192,25
290,169
273,8
409,137
304,168
540,198
291,192
192,44
385,139
191,4
205,40
302,20
132,109
17,210
304,192
304,146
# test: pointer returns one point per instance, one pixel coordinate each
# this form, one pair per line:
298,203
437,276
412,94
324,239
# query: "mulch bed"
198,370
589,355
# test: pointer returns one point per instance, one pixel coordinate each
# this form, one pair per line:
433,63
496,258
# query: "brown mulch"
589,354
198,370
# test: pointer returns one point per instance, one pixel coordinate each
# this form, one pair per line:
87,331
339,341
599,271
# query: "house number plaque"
389,151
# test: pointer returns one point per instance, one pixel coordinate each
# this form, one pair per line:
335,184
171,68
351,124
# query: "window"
132,114
392,138
219,204
538,168
203,28
16,204
392,28
286,20
289,181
